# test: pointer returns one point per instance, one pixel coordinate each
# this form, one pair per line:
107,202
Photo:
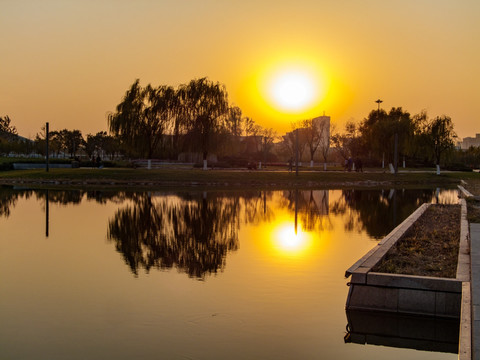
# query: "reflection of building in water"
311,201
317,200
318,135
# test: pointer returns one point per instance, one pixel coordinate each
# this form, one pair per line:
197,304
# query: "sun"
293,90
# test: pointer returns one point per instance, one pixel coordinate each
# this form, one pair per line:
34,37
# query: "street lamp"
378,117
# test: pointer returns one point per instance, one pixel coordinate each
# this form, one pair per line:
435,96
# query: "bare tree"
316,135
290,140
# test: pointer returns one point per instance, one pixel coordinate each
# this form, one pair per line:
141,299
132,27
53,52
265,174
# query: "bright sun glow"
293,89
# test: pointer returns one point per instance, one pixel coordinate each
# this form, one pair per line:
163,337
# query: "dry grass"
473,185
473,206
429,247
473,211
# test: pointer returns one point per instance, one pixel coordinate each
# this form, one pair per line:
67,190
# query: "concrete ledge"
464,191
414,282
465,337
463,265
475,289
371,258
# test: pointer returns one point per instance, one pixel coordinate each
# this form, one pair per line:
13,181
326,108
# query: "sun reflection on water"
287,241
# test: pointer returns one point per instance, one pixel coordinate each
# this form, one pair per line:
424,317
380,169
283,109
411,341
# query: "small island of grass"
429,247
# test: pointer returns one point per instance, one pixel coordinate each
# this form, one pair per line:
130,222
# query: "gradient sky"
70,62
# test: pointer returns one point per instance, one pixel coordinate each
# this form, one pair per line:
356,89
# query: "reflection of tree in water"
378,211
75,197
61,197
102,196
192,234
312,207
9,197
256,207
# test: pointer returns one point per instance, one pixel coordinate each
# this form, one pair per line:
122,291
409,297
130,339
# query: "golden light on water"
286,241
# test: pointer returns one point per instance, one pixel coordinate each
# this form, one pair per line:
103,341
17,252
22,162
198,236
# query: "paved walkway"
475,273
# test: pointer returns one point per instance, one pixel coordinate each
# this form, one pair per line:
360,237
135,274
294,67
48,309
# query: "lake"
191,275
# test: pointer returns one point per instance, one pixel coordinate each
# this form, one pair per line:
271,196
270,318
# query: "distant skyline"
70,62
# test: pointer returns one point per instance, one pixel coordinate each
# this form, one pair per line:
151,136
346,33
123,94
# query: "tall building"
323,125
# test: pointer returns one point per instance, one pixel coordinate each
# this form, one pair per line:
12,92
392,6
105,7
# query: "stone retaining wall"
407,294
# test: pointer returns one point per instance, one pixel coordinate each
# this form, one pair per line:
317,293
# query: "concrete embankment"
407,295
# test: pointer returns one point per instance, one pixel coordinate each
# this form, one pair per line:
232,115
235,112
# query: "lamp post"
296,152
378,101
47,150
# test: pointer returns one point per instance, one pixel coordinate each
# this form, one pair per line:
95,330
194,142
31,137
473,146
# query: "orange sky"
70,62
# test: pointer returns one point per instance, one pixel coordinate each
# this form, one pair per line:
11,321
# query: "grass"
429,247
473,206
473,185
175,176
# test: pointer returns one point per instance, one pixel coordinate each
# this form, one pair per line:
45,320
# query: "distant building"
322,125
469,141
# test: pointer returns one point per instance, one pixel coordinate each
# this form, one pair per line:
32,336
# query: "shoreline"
194,178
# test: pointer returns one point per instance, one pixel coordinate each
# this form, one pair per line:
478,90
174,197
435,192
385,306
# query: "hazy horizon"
70,62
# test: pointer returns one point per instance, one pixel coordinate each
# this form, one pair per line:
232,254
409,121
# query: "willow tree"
439,137
143,116
203,106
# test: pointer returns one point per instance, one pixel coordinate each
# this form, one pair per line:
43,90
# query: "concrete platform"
408,294
475,289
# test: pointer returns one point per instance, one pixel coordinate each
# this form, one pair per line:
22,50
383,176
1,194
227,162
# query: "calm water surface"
198,275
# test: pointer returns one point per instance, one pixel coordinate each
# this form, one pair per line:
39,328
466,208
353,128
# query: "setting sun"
283,88
293,90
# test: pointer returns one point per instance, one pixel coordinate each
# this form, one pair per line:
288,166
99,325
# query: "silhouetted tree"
72,141
7,130
315,134
347,144
143,116
439,136
234,121
289,143
204,105
378,133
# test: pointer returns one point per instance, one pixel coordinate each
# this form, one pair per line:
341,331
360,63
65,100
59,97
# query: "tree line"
421,140
163,122
159,122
